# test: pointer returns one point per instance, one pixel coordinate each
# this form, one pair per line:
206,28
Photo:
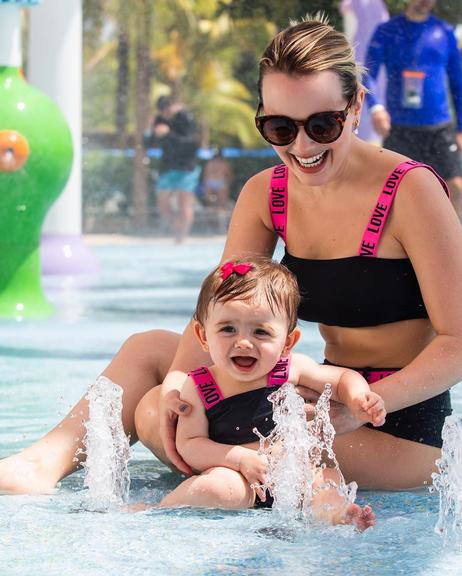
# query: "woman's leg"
214,488
378,460
140,364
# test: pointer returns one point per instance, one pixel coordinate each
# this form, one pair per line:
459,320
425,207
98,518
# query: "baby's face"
245,338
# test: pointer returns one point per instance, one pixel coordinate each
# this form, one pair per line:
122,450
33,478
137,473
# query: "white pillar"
55,66
10,36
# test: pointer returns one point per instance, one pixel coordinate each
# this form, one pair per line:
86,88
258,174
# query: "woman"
395,309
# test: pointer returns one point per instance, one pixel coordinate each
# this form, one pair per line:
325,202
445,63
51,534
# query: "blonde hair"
309,46
266,281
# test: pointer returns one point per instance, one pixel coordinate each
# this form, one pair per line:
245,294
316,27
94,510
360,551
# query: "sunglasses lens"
324,128
279,131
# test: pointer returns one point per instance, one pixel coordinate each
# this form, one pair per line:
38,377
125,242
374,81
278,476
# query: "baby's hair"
266,281
309,46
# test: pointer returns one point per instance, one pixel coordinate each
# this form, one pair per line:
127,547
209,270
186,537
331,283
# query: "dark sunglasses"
322,127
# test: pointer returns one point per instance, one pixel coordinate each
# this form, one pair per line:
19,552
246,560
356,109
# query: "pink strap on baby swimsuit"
280,373
210,392
206,387
278,199
374,229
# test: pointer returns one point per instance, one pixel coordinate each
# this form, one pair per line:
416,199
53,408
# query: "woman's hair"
266,281
312,45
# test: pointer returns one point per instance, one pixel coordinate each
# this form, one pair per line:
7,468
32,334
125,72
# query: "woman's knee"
147,417
153,350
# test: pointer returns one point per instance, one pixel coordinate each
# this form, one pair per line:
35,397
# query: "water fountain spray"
448,481
107,448
295,449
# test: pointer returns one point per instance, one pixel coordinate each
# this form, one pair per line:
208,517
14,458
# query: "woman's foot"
19,475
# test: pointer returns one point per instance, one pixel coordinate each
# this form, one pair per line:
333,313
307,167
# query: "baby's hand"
369,407
253,467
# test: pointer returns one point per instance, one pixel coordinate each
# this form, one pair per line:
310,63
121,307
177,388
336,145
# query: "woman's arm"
429,230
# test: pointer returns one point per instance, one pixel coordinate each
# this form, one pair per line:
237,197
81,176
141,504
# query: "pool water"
47,365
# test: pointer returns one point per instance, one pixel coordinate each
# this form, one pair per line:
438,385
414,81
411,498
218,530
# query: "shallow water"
46,366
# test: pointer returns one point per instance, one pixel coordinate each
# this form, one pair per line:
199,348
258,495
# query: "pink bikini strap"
374,229
278,199
207,388
210,392
280,373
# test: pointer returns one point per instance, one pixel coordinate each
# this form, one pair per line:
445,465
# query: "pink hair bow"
241,269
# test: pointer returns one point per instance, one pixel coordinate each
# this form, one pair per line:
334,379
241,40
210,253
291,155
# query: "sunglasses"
323,127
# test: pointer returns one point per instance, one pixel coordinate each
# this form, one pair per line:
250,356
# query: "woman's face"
298,97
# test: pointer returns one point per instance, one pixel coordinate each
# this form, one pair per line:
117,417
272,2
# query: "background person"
217,178
423,68
174,131
379,268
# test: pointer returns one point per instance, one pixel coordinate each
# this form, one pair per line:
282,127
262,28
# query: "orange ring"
14,151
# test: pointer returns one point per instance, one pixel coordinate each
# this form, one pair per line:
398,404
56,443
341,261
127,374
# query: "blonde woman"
377,250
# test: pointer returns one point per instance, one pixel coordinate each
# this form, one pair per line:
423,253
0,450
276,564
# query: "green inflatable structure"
35,162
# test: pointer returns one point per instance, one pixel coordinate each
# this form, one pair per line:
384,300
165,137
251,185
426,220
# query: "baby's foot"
361,518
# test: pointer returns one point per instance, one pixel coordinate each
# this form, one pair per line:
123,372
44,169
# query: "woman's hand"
341,418
170,407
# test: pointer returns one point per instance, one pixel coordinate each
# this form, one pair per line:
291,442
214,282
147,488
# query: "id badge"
412,88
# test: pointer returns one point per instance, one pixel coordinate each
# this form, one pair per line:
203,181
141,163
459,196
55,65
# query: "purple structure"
360,18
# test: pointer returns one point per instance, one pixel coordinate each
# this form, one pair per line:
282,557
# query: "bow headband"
228,268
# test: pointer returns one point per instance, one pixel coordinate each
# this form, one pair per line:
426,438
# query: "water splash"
107,448
448,481
295,448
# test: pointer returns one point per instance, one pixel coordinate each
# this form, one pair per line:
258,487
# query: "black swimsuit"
232,420
363,290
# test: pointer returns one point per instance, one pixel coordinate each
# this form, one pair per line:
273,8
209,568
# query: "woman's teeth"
313,161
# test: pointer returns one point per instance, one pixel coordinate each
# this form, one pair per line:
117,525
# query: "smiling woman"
392,313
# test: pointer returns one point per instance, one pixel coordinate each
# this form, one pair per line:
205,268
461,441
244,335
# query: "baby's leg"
215,488
331,507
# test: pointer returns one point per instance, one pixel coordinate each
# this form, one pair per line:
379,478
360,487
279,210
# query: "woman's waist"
385,347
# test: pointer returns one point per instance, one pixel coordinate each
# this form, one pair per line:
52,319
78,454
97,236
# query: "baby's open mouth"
244,361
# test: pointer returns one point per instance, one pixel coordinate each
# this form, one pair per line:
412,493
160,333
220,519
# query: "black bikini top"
360,290
232,420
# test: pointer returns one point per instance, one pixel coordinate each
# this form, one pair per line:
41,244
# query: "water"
46,366
448,482
106,447
295,448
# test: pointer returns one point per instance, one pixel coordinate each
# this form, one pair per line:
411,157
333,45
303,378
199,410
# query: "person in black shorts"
424,73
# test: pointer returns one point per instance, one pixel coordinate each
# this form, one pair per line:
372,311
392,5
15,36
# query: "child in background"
246,318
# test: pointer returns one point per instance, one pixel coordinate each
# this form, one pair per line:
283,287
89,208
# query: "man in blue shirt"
423,66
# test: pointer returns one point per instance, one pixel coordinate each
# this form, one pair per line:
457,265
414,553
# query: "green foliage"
449,10
281,12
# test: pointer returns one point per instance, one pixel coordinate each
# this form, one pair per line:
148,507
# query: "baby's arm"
201,453
348,387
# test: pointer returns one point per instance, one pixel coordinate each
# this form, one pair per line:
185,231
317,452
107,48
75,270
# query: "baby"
246,318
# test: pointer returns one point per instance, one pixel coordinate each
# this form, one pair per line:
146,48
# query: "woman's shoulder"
383,164
258,184
261,178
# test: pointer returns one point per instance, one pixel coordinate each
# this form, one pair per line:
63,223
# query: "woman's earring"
355,126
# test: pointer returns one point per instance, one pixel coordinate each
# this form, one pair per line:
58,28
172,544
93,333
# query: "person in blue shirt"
423,67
